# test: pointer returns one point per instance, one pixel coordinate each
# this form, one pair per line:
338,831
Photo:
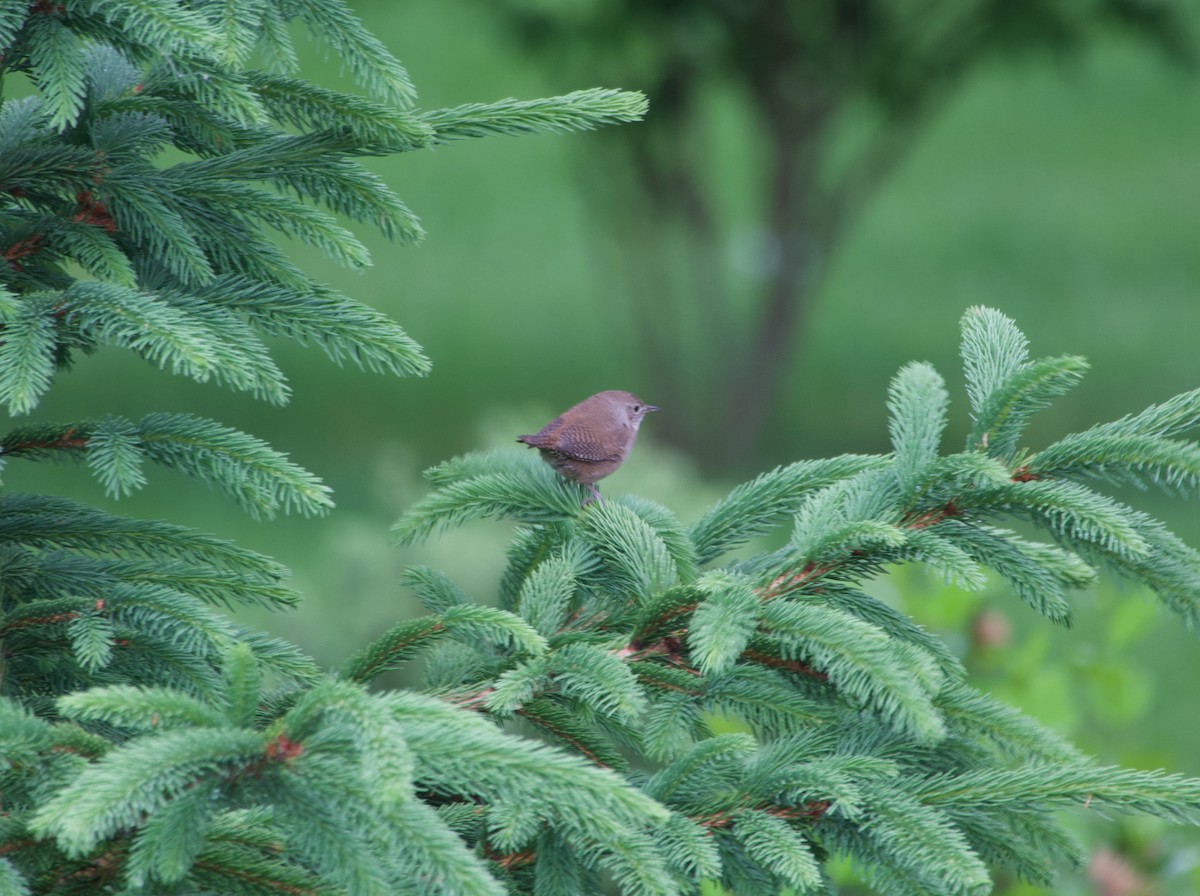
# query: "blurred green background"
1065,193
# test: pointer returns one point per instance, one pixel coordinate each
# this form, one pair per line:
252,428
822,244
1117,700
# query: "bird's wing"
580,441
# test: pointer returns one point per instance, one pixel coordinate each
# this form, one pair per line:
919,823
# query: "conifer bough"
634,641
565,740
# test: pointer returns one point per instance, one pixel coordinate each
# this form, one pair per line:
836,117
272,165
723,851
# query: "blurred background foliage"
1059,185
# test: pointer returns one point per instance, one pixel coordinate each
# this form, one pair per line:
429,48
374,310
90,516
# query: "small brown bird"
592,439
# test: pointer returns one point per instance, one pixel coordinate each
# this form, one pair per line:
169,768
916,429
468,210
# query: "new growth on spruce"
573,734
634,641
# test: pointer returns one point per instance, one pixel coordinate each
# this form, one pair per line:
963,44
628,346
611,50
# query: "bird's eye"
636,408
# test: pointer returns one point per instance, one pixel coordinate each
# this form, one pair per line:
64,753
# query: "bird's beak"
651,407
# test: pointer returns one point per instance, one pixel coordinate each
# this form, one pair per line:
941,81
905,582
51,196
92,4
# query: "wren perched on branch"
589,441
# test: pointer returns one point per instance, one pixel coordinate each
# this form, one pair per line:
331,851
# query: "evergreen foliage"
573,735
860,735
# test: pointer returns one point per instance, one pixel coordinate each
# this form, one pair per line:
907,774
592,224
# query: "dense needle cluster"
860,735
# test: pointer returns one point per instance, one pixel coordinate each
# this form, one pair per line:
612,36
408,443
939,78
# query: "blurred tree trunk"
725,378
832,93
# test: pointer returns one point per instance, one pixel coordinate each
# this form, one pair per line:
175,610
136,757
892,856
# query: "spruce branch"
54,54
368,59
161,24
756,507
918,400
150,742
12,16
583,110
1080,784
27,352
723,622
342,328
467,621
1136,446
509,484
860,717
41,521
181,269
775,845
262,480
375,127
140,779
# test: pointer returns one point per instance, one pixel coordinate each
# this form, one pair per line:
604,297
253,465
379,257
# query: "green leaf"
311,107
392,648
546,594
12,882
943,556
162,24
466,621
857,516
275,42
12,17
259,478
434,589
1072,512
767,701
719,751
690,847
235,22
635,556
93,249
138,196
668,528
599,679
44,521
1038,573
1077,785
918,837
343,329
571,729
491,624
670,727
157,330
1169,566
982,718
427,848
1171,463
